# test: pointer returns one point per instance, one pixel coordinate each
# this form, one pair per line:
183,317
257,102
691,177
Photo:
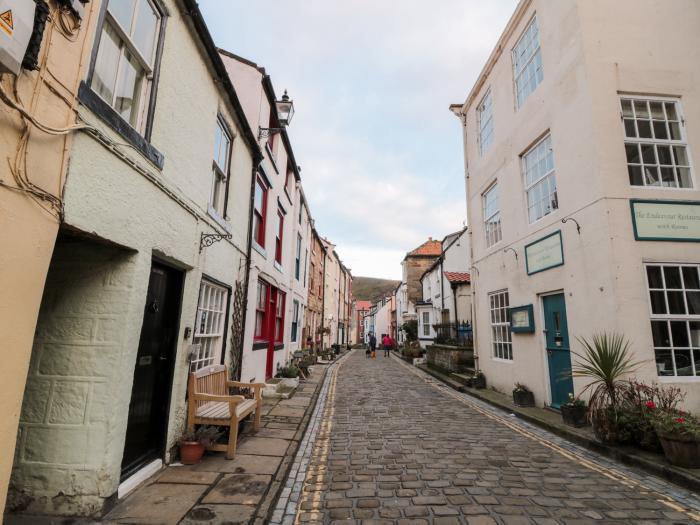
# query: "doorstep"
551,420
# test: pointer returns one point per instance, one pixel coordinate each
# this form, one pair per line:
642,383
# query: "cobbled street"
395,448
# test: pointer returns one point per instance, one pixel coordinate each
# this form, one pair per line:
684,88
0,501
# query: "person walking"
373,345
386,343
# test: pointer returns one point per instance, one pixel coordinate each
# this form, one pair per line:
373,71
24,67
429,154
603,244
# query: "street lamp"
285,112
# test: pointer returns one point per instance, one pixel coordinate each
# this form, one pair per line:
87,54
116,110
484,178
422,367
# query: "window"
125,62
312,273
272,136
527,63
297,260
222,152
301,209
657,154
295,320
259,212
289,181
492,216
540,183
279,317
485,111
279,236
306,257
261,320
500,325
209,329
426,324
674,296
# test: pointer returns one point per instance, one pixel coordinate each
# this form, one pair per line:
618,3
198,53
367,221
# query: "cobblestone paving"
392,448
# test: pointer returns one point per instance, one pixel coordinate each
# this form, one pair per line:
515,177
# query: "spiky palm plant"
605,360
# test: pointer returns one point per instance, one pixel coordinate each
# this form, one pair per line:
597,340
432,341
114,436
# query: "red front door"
270,316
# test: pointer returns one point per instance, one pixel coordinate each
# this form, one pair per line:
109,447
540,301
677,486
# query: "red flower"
680,420
650,404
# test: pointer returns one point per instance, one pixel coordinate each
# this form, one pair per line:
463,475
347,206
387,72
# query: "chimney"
430,239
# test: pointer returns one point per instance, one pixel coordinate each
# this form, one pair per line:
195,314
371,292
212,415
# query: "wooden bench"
211,404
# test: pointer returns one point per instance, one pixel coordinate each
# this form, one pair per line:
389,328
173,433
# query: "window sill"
500,360
226,225
679,379
260,345
279,346
259,249
278,266
91,100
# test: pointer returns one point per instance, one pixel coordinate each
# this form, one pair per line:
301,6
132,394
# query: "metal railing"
458,334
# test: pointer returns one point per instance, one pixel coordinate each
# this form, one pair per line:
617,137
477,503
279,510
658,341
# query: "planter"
523,398
291,382
680,450
479,382
191,452
574,415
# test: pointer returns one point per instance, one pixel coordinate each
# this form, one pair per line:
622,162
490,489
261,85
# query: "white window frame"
493,235
519,72
501,337
211,316
547,178
486,125
219,189
295,321
668,318
632,120
426,325
148,64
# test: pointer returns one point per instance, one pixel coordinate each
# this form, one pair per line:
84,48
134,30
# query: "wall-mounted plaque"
544,253
522,319
666,220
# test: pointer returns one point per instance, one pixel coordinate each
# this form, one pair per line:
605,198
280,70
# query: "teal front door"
558,349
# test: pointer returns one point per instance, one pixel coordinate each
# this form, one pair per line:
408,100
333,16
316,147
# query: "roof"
363,305
458,277
429,247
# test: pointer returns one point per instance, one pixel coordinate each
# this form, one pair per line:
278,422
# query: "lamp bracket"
264,133
207,239
578,226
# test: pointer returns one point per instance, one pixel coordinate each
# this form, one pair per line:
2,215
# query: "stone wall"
417,265
65,425
450,359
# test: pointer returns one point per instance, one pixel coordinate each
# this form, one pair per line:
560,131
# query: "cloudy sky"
380,153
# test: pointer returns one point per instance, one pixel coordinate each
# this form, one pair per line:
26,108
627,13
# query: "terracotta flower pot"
680,450
191,452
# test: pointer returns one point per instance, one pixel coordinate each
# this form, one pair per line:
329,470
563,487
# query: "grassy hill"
371,289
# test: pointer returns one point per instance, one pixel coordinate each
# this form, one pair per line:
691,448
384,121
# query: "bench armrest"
224,399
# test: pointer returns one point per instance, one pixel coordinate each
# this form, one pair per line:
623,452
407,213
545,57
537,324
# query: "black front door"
150,394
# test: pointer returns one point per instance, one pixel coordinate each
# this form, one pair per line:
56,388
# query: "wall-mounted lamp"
578,226
285,112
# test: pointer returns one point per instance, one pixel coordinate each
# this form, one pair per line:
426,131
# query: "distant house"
446,292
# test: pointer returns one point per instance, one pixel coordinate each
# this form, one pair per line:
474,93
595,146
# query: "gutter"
323,297
200,26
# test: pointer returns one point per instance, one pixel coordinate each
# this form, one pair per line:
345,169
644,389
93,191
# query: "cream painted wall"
151,213
591,51
26,229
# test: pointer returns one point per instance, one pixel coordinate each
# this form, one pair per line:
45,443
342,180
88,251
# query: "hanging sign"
544,253
666,220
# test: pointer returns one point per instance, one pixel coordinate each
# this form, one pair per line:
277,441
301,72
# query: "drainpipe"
454,299
323,302
249,250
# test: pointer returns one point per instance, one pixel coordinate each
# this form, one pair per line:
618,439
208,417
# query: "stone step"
463,377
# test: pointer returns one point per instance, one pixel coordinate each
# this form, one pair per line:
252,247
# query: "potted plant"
679,434
479,381
604,361
523,396
575,412
192,444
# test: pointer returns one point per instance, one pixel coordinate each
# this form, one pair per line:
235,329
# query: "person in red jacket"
386,343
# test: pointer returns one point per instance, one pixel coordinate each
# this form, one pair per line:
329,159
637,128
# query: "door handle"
163,358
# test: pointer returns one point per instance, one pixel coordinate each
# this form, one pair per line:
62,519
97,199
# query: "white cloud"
372,81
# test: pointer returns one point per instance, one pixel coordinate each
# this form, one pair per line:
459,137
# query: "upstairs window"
492,216
126,58
279,237
657,153
485,112
259,212
222,153
297,259
527,63
540,183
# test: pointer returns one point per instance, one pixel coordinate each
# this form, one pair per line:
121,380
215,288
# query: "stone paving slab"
242,489
157,504
187,474
242,464
262,446
393,446
219,515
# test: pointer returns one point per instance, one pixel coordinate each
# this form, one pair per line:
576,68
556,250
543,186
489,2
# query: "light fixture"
285,112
